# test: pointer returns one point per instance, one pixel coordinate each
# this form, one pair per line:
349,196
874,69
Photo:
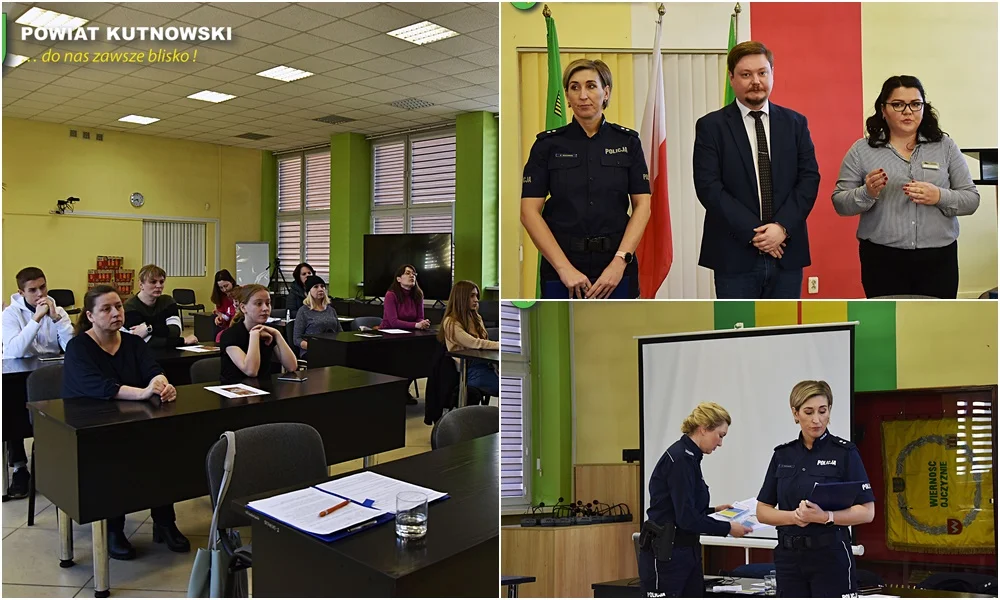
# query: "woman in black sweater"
101,363
297,291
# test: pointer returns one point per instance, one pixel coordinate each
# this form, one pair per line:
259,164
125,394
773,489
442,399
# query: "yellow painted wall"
957,63
606,367
42,164
941,344
576,28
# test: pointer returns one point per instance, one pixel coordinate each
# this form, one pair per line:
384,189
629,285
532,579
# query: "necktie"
763,169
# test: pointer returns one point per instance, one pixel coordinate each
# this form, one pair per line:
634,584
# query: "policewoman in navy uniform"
813,557
678,505
593,170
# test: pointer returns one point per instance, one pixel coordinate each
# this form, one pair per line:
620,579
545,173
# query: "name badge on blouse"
930,165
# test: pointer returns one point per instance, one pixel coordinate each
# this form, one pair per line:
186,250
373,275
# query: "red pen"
333,509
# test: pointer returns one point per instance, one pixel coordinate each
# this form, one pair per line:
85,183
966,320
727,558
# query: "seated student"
297,290
248,345
316,316
32,325
225,308
152,315
404,302
103,363
463,328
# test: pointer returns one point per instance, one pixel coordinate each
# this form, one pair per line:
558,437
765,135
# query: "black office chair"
43,384
359,322
489,310
65,299
268,457
972,583
464,424
206,370
493,333
185,301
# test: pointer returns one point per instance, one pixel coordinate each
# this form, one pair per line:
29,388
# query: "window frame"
301,214
519,366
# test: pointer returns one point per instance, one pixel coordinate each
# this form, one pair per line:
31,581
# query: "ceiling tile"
238,45
211,56
348,55
169,9
51,68
461,45
220,74
121,16
299,17
155,74
383,97
383,44
259,83
251,9
264,32
452,66
351,74
385,82
331,97
342,32
382,65
26,75
446,83
468,105
248,65
383,18
419,56
307,43
275,55
479,76
490,35
207,15
315,64
21,84
486,58
342,9
428,10
468,20
414,74
470,92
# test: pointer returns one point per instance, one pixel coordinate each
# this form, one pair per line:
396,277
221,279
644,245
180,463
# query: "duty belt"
809,542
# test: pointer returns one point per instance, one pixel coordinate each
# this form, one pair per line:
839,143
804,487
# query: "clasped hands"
809,512
159,386
579,285
46,306
770,238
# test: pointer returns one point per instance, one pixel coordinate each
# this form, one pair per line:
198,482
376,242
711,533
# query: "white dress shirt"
749,123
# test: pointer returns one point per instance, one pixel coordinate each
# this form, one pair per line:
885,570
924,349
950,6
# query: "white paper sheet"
236,390
381,489
301,509
394,331
199,348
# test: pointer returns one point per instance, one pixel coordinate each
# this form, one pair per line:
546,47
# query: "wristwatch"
626,256
149,329
829,519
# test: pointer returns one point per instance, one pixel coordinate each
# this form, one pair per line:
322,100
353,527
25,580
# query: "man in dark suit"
755,173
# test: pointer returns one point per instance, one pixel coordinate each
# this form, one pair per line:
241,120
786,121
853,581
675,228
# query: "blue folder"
556,290
837,495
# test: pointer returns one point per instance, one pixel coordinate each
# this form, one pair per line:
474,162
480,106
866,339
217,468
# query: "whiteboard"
253,260
750,372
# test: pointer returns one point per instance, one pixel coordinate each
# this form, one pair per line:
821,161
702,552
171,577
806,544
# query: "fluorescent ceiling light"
284,73
39,17
14,60
210,96
138,119
424,32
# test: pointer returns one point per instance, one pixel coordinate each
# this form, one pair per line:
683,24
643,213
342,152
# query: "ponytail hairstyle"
242,296
89,302
708,415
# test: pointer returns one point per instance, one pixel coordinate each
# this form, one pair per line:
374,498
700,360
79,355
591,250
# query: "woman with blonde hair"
813,557
679,509
593,171
248,345
462,328
316,316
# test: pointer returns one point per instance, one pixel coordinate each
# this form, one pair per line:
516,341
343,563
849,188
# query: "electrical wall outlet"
814,285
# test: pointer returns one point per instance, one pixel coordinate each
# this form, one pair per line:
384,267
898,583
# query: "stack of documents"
372,501
745,512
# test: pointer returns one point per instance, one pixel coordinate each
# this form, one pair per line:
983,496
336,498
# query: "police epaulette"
785,445
841,442
624,129
550,132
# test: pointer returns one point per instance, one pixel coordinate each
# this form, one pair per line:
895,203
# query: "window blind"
177,247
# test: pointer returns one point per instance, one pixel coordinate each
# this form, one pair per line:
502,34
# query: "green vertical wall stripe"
551,403
874,345
728,314
269,201
475,227
350,210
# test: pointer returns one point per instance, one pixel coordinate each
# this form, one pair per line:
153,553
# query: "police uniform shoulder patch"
785,445
842,443
551,132
624,129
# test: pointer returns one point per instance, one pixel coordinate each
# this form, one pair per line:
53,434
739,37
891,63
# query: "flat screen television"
430,253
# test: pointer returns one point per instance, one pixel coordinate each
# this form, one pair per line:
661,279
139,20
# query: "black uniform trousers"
826,572
679,577
162,515
889,271
592,264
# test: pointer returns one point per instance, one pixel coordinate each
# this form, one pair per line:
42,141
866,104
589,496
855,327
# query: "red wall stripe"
817,72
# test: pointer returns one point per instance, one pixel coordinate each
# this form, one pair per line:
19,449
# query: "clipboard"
837,495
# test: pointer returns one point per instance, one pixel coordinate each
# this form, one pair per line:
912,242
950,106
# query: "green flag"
555,106
730,96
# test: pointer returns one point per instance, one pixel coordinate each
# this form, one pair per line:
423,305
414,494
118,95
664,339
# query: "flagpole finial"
661,9
737,9
546,12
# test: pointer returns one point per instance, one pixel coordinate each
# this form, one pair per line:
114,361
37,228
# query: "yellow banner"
939,485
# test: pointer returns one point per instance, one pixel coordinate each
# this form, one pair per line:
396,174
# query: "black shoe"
410,400
119,548
19,484
172,536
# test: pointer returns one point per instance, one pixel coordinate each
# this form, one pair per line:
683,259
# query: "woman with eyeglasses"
404,302
909,182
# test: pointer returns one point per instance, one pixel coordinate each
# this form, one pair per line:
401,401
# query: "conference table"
408,355
463,356
93,458
457,558
629,588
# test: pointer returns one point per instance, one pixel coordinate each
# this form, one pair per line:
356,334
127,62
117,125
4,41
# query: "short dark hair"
28,274
151,272
603,71
878,128
89,301
747,49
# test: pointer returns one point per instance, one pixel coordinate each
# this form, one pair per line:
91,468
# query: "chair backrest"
45,383
63,298
268,457
489,310
183,295
635,542
365,322
205,370
493,333
464,424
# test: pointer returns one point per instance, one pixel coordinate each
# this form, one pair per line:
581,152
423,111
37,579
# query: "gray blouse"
312,322
893,219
